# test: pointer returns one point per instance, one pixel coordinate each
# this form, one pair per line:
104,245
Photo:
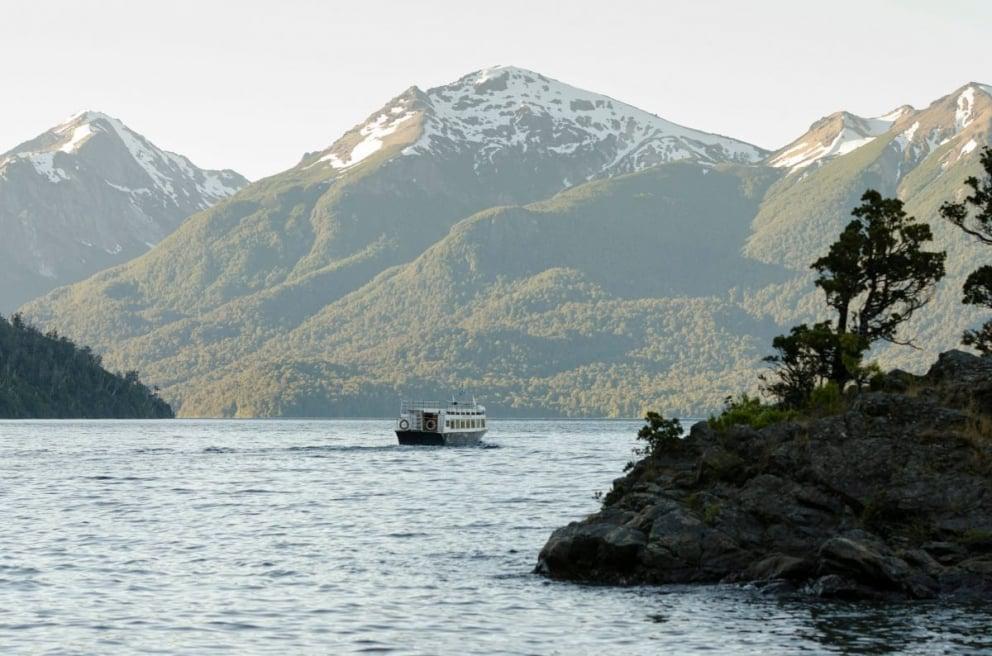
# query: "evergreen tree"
978,286
874,277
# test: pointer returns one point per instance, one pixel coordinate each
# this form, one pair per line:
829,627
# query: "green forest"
46,376
320,292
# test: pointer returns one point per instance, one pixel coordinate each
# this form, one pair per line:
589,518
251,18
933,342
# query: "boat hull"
430,438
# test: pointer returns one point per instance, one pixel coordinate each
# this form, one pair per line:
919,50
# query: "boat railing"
412,406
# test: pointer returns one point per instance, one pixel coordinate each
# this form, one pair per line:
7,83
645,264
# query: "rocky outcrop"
890,499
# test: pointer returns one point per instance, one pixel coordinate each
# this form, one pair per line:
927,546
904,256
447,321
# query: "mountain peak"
484,74
977,86
491,112
87,116
834,135
57,153
964,116
91,193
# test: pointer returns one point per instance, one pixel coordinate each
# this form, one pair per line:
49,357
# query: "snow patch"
44,164
46,271
79,135
373,132
894,115
854,133
911,131
966,105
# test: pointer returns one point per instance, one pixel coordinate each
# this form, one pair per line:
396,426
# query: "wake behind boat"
439,423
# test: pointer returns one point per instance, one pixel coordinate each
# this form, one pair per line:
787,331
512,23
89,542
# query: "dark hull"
428,438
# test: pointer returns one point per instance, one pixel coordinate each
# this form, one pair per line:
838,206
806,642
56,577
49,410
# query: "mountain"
48,377
89,194
922,157
908,153
518,127
544,307
553,249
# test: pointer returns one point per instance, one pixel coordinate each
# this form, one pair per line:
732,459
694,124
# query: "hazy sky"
253,84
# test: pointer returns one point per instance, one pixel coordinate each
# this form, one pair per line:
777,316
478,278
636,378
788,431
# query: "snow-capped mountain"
960,120
834,135
88,194
508,116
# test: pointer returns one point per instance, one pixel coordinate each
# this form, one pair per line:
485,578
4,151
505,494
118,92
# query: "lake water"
297,537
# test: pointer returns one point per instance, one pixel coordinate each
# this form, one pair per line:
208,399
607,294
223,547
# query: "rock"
889,499
861,562
777,588
945,552
604,550
898,380
922,561
981,566
875,568
780,566
718,464
834,586
960,366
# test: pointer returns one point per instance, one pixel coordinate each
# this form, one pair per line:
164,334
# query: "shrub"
660,434
827,399
750,411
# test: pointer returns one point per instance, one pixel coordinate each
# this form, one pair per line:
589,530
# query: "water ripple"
327,537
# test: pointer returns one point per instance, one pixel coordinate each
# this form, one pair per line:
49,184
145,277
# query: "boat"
441,423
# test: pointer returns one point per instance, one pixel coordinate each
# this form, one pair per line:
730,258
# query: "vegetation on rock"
888,499
659,434
750,411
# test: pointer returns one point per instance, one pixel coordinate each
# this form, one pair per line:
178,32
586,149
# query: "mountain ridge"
346,281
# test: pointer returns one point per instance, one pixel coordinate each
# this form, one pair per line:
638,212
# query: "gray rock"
780,566
887,500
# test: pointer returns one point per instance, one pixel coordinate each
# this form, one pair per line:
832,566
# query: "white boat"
440,423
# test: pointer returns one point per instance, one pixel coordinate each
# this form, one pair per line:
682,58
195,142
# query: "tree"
978,286
877,275
803,360
874,277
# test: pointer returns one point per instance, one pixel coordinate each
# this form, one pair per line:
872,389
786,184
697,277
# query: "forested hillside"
47,376
556,251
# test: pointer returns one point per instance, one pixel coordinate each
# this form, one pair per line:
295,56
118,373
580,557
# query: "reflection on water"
326,537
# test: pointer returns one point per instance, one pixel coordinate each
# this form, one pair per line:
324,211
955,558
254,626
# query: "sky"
253,84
